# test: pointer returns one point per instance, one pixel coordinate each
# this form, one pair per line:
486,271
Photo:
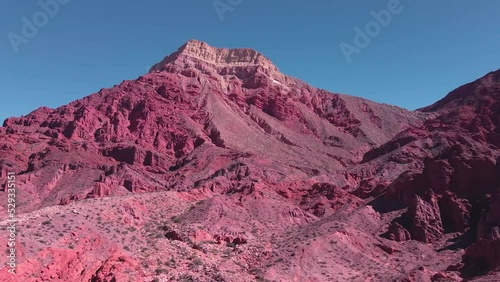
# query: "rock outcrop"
426,224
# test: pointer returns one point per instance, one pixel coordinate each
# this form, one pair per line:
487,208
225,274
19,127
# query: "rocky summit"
215,166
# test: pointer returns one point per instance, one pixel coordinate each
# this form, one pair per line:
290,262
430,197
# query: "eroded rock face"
489,223
426,225
195,56
455,212
483,255
118,267
398,233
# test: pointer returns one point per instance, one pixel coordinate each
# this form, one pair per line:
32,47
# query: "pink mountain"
215,166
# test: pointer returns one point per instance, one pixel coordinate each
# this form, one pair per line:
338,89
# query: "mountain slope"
215,166
159,122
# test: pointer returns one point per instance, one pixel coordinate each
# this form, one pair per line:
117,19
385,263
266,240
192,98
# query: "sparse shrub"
197,261
171,263
159,271
186,278
259,274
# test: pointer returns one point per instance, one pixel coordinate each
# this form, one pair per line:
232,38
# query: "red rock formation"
490,222
426,225
398,233
298,181
455,213
117,268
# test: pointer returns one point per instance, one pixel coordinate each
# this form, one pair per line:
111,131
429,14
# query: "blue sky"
426,50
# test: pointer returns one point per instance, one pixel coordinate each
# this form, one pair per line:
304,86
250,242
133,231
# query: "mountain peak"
221,56
198,54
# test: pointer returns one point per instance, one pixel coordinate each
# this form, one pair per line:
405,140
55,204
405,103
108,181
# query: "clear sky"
426,49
